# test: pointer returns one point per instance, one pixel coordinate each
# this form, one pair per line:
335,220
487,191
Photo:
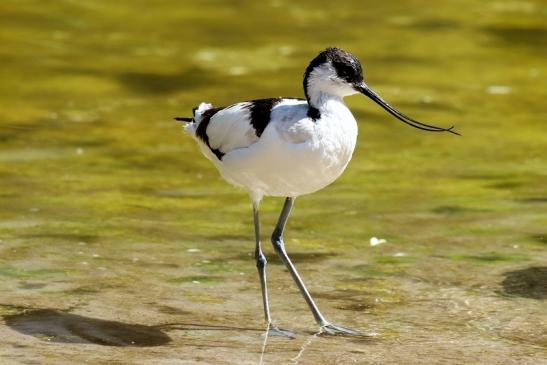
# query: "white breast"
295,155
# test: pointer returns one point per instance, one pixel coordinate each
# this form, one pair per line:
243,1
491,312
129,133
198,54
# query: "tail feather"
184,119
198,111
193,122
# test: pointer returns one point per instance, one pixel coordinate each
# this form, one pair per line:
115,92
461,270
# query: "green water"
120,244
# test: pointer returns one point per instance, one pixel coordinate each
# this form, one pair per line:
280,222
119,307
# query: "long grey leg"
279,245
261,266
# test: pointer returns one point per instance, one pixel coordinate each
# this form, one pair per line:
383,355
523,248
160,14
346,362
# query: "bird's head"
338,73
333,72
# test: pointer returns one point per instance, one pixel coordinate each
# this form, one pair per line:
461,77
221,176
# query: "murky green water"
120,244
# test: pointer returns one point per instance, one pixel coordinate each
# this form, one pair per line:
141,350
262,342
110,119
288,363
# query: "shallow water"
120,244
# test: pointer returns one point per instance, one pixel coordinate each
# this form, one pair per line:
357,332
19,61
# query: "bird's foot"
332,329
273,330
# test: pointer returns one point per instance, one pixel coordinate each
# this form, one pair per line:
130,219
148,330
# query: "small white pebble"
79,151
286,50
193,250
195,281
205,261
95,255
85,263
498,89
135,259
399,254
376,241
237,71
515,246
206,56
427,99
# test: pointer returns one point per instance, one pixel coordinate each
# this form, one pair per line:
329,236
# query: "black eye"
345,71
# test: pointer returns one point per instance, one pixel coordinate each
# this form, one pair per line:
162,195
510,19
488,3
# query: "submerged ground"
120,244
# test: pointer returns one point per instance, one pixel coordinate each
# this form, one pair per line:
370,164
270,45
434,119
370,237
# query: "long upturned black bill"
365,90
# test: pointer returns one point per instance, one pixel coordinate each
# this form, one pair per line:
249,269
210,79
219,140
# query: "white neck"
323,87
322,100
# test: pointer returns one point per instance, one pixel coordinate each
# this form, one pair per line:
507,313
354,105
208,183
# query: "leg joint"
260,260
277,235
277,242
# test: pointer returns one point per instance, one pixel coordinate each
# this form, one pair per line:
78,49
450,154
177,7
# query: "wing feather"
241,125
230,128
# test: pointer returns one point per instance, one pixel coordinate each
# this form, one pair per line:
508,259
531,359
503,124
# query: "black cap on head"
346,65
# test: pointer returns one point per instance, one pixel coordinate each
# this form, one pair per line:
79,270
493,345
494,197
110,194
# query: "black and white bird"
287,147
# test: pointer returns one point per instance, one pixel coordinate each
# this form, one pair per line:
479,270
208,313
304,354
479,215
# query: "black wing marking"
201,130
261,110
260,116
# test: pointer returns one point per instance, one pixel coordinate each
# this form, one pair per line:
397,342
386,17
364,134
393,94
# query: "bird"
288,147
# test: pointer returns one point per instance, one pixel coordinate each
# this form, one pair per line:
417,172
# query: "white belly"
275,166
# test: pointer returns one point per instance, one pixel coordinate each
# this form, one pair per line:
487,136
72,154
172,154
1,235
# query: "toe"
279,332
332,329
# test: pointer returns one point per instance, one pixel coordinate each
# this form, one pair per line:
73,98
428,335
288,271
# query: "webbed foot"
273,330
332,329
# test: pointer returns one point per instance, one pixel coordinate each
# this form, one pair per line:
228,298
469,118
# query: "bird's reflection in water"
295,360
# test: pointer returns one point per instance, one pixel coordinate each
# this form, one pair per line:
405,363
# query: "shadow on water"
61,327
527,283
63,236
154,83
295,256
148,83
454,209
532,37
205,327
540,238
534,200
11,131
435,24
505,185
